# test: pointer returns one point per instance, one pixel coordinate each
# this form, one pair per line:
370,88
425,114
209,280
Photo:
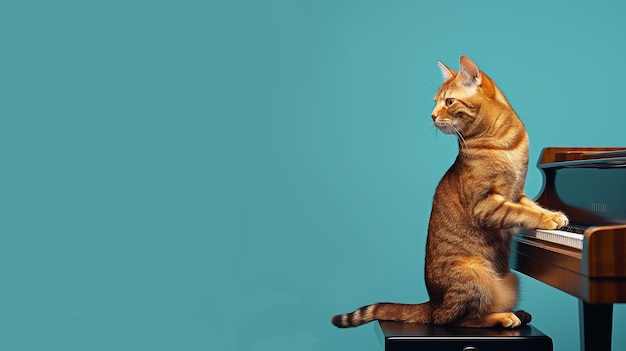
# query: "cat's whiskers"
431,88
463,143
448,127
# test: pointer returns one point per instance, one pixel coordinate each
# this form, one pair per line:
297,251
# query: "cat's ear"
469,72
446,72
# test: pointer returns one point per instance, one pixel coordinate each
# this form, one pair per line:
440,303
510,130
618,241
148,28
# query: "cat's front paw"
553,220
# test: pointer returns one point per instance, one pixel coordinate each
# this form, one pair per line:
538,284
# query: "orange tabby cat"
477,206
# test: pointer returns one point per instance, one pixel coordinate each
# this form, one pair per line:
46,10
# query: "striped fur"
384,311
477,205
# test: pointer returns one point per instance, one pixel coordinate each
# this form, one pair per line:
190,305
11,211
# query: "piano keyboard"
571,236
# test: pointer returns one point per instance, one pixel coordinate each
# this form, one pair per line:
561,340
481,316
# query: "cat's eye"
449,101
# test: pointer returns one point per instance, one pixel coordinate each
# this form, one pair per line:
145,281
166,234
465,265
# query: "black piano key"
572,228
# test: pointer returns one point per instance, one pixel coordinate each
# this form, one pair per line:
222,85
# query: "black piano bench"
398,336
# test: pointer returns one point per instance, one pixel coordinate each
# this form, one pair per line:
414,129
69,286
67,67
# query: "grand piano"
588,258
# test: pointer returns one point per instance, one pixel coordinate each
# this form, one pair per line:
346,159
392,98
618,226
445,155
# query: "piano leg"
596,324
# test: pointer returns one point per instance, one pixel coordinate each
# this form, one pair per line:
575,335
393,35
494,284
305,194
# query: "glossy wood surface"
560,154
561,268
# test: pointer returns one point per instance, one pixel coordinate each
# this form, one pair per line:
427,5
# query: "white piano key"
561,237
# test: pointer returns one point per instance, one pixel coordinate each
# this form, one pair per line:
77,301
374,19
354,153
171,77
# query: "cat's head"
459,99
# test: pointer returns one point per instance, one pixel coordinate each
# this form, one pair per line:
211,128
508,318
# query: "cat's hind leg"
505,293
479,297
469,293
498,319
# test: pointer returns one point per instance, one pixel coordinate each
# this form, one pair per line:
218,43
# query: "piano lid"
564,154
588,184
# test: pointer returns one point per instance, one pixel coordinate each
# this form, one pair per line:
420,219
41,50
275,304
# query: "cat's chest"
493,164
512,160
509,164
504,174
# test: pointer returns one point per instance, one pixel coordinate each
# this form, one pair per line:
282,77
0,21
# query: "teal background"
193,175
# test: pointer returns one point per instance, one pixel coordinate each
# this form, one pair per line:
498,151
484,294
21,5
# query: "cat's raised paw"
553,220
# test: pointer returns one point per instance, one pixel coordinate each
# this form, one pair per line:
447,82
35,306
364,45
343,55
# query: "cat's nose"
433,116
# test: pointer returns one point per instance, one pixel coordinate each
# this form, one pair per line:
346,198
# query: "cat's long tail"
385,311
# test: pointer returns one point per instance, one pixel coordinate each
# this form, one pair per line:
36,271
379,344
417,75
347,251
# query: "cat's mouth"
446,128
449,128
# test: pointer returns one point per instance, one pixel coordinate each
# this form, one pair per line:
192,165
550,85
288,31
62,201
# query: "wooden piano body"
589,186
